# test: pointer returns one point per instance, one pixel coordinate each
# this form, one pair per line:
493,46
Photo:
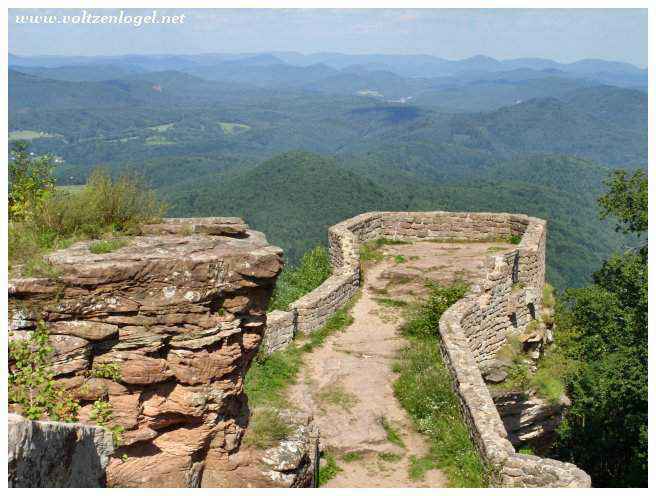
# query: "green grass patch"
380,242
28,135
266,428
514,239
107,245
268,377
231,128
423,319
419,467
526,450
393,435
329,469
294,282
353,456
391,302
389,457
370,253
424,389
399,259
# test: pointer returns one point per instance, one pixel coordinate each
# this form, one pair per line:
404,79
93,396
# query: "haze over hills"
213,133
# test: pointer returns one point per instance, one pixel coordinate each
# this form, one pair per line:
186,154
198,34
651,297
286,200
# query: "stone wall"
508,297
164,329
311,312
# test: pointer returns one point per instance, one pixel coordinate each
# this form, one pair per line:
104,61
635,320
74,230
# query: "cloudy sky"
563,35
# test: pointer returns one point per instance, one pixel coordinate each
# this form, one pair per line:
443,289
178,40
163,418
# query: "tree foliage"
603,329
627,201
30,182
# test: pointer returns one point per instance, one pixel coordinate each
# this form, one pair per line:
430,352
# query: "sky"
565,35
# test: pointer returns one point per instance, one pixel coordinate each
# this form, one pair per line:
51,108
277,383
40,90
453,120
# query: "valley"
295,143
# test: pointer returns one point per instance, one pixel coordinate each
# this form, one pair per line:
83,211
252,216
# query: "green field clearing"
162,128
28,135
233,127
158,140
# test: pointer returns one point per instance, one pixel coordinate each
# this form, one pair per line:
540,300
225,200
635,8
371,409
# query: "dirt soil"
348,382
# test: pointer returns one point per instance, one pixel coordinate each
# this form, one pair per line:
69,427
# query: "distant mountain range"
296,142
281,67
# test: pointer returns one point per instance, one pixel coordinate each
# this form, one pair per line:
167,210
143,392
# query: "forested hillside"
295,143
295,197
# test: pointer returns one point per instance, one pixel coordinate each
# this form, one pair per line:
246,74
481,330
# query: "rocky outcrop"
164,330
291,462
529,419
55,454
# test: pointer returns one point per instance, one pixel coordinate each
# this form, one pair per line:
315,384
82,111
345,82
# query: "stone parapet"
472,331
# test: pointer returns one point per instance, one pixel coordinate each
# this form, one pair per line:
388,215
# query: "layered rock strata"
164,330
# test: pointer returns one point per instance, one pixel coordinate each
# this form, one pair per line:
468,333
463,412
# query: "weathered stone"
125,410
71,353
92,331
56,454
128,438
136,368
495,376
289,463
203,366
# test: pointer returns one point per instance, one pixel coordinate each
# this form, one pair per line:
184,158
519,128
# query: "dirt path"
348,382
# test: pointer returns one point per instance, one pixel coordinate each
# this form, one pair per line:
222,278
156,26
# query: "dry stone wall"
472,331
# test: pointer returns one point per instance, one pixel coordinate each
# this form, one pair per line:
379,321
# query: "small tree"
30,181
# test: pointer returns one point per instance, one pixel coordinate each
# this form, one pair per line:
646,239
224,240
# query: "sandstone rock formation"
293,462
164,329
529,418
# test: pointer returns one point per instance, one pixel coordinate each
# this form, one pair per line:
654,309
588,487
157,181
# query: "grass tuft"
353,456
329,469
390,302
389,457
393,435
266,427
107,246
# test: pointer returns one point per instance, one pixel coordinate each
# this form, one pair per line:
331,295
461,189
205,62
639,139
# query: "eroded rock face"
529,419
56,454
292,462
164,329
